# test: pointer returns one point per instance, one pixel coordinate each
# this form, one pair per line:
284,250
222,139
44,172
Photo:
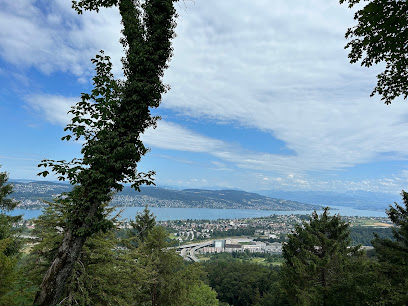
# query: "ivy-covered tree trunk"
60,270
110,120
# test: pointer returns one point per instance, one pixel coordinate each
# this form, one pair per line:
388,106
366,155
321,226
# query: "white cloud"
53,108
172,136
282,69
57,39
258,181
277,67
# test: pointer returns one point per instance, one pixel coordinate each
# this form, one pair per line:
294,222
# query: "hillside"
32,194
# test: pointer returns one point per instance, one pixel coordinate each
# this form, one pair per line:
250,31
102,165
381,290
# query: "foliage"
233,232
201,295
318,257
5,190
112,117
365,234
143,224
240,283
109,121
247,256
7,269
393,255
381,35
169,280
107,273
10,243
102,275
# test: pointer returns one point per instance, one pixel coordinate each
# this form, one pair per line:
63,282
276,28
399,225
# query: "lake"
164,213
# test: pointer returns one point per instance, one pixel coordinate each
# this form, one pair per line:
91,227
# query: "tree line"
137,267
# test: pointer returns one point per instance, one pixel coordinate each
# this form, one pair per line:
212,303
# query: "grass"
172,236
202,257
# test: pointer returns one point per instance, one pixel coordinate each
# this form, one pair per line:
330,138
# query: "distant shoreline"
167,213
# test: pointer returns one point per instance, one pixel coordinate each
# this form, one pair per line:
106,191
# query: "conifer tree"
6,203
10,243
393,256
317,258
104,274
143,224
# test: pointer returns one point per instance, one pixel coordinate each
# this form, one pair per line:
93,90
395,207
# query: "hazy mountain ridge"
39,190
208,199
31,195
358,199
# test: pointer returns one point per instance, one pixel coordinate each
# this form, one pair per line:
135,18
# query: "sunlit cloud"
53,108
277,68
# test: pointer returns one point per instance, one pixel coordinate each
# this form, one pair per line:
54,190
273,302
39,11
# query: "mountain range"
358,199
32,194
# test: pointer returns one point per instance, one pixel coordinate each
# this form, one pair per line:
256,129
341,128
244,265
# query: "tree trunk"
56,277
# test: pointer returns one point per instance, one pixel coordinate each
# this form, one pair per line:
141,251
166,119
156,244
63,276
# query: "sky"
263,96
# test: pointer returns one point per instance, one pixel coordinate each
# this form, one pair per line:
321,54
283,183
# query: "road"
187,251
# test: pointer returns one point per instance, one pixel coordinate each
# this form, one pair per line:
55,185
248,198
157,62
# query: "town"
262,235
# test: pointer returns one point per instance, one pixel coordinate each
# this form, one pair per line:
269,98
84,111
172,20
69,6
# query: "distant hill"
155,196
31,195
358,199
37,190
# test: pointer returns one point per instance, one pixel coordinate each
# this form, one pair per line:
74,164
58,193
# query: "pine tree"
143,224
10,243
167,279
6,203
317,257
393,256
104,273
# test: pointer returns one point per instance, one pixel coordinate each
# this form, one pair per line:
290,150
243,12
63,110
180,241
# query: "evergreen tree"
318,257
143,224
393,256
110,272
6,203
104,273
169,280
10,243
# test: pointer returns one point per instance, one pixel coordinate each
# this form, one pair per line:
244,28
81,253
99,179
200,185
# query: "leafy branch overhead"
113,116
381,36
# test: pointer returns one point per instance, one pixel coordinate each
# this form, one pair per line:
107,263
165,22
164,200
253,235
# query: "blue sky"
262,96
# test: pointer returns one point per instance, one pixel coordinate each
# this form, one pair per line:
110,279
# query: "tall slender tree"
143,224
110,121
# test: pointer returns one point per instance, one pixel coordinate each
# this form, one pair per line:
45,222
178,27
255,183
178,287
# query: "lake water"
163,213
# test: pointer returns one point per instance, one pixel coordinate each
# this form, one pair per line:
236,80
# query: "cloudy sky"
262,96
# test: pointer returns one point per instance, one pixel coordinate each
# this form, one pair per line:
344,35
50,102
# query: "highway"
187,251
